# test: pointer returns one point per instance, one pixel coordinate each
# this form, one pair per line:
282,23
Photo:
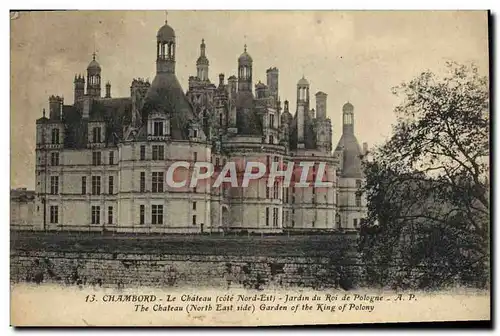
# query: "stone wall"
120,270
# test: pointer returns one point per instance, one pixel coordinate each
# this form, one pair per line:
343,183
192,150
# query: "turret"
348,118
165,49
245,71
202,63
94,78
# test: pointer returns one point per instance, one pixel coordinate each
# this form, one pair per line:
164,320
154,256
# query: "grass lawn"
332,245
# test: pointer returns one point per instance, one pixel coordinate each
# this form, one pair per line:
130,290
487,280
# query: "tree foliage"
428,185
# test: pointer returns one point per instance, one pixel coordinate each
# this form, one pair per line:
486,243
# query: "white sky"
352,56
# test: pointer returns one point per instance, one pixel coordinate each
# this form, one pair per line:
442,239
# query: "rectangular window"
267,216
54,214
194,205
355,222
194,219
158,128
158,152
96,158
157,214
96,134
143,152
271,120
157,182
111,186
84,185
143,182
54,185
267,192
142,212
275,217
96,185
96,214
358,184
55,136
195,156
271,139
54,159
217,162
110,215
111,157
276,190
268,162
358,200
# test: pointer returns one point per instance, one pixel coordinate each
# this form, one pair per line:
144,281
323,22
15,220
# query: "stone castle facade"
101,162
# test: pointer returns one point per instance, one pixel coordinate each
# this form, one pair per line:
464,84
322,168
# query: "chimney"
86,107
221,80
55,107
108,90
232,84
272,81
321,105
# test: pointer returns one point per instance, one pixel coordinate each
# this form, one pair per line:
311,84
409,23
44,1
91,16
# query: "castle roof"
347,108
247,120
166,94
245,57
351,155
93,65
303,81
165,33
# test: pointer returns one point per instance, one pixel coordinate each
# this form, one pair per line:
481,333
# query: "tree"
428,187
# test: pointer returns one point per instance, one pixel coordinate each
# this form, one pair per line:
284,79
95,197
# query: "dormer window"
158,128
96,135
55,136
194,132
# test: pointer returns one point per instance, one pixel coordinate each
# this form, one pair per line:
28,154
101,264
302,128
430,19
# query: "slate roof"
247,120
351,154
166,94
22,195
165,33
115,112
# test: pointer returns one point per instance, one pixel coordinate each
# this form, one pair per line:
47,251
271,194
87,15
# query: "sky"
355,56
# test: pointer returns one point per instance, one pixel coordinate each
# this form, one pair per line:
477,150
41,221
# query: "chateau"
101,162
